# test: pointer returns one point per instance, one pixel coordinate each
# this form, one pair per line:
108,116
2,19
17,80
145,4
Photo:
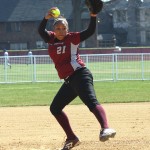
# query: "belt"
68,78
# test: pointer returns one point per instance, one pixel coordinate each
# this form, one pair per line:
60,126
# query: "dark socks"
100,114
64,122
62,119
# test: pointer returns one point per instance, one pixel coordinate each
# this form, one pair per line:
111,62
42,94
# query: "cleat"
69,144
105,134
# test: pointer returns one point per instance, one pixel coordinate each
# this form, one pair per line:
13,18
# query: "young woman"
78,80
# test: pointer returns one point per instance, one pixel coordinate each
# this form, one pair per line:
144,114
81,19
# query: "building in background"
127,21
19,22
131,21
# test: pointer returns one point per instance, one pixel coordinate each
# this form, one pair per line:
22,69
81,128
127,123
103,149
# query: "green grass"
29,94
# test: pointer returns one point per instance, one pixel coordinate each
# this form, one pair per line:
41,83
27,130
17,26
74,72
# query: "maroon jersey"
65,54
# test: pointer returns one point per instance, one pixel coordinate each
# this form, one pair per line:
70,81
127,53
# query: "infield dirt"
34,128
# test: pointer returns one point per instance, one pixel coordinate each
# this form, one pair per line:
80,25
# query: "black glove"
94,6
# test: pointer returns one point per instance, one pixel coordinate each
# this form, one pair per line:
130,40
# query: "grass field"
35,94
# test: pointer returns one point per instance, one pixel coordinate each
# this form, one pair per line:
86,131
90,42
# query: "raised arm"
42,27
90,30
42,30
94,6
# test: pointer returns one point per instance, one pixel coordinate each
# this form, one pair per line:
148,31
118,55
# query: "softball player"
78,80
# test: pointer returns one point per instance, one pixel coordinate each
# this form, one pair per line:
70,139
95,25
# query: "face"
61,30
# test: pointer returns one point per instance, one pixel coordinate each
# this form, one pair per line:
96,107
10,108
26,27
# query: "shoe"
69,144
107,133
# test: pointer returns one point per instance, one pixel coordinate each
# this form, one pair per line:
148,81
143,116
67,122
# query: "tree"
78,7
133,21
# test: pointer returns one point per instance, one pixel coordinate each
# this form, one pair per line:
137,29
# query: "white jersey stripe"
73,54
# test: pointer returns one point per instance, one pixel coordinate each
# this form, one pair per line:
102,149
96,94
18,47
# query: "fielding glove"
94,6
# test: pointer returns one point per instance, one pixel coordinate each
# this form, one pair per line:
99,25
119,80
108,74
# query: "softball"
55,12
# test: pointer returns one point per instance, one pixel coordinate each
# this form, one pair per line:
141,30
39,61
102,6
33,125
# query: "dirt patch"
34,128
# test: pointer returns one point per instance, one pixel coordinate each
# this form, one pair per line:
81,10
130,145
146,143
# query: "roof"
145,5
123,4
6,8
34,10
117,4
31,10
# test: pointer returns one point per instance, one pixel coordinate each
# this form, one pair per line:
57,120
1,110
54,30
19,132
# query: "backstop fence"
40,68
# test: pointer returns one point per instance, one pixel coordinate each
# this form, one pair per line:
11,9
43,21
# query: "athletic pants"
79,84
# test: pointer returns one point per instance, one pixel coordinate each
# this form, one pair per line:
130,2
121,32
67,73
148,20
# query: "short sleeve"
75,37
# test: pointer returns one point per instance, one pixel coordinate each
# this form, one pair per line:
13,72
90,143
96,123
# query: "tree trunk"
76,15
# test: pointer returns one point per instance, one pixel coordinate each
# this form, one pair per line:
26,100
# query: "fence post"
116,62
113,66
34,69
31,59
5,68
142,60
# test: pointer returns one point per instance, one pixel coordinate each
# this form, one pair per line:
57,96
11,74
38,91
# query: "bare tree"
133,21
77,9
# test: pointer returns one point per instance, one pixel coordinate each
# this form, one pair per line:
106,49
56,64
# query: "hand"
54,12
93,15
48,15
94,6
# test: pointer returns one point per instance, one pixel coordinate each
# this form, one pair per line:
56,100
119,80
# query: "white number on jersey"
61,50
